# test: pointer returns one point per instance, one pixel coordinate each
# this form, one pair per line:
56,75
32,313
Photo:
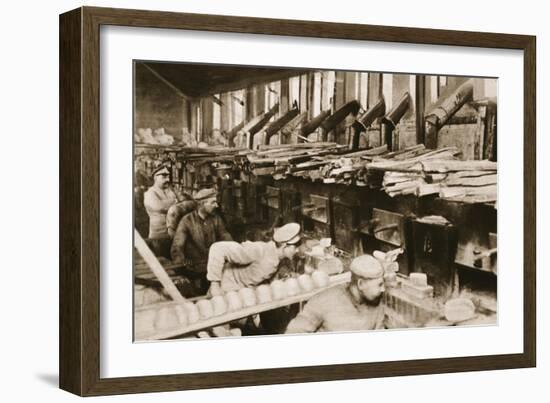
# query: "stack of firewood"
415,170
282,160
451,179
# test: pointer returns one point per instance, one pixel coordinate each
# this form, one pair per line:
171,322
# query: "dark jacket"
193,238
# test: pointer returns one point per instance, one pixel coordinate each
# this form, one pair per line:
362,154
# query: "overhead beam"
166,82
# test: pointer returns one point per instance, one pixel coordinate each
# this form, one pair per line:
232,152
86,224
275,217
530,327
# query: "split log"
449,166
372,152
414,163
273,148
426,189
474,181
490,190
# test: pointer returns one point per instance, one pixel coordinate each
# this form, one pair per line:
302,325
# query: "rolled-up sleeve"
225,251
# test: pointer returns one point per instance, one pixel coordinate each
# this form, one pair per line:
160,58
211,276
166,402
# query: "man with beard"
157,200
348,307
194,235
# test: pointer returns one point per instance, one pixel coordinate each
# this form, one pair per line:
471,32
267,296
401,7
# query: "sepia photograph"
273,200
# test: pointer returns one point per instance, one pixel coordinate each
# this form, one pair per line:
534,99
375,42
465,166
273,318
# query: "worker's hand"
215,289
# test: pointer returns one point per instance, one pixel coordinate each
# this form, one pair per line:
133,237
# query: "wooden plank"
71,178
449,166
242,313
491,138
428,189
475,181
415,148
156,268
165,81
480,133
473,199
464,174
406,185
489,191
371,152
280,147
417,163
391,177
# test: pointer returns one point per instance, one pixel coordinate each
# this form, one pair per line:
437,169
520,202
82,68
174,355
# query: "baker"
195,233
346,307
157,200
233,265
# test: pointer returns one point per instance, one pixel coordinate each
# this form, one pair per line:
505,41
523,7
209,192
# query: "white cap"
366,266
288,233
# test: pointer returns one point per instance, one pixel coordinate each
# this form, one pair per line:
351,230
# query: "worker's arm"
307,321
178,244
175,214
152,202
222,252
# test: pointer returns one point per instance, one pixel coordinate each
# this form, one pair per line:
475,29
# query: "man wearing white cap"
233,265
355,306
196,232
157,200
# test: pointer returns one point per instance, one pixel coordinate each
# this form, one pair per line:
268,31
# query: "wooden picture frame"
80,199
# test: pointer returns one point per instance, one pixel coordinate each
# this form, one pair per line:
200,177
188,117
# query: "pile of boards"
291,159
414,170
440,172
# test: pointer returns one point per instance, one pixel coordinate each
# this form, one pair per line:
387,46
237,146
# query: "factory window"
199,121
387,89
272,94
327,94
434,88
216,113
364,89
304,93
237,106
442,84
316,96
294,90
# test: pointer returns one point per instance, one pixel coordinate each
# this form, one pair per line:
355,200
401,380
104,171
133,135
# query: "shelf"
232,316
